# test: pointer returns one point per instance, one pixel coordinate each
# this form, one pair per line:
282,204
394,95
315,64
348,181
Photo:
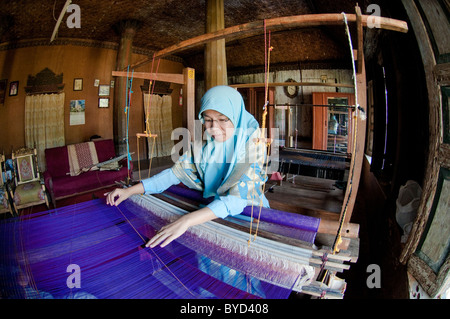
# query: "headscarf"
220,158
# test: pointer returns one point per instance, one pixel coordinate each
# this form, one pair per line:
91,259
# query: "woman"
228,166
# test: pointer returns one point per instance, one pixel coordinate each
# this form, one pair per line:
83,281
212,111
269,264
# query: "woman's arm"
153,185
174,230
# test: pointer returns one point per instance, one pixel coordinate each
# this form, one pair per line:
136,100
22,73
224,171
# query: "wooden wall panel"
74,61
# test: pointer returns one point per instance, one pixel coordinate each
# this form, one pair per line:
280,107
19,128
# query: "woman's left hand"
174,230
169,233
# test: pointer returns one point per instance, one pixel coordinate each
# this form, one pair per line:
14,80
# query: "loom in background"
314,163
107,245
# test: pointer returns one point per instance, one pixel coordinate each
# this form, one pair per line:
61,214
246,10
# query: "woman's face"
218,125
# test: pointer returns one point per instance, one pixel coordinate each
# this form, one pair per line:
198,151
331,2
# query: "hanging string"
151,89
267,50
128,93
147,132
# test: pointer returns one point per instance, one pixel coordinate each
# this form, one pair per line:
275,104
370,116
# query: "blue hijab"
220,158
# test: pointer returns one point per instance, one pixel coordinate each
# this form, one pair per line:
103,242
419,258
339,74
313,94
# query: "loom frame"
293,254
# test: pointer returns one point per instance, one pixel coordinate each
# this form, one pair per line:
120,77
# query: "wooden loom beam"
359,142
276,24
274,84
324,237
164,77
360,40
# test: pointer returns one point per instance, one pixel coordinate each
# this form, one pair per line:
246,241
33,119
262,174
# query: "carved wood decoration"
45,81
429,264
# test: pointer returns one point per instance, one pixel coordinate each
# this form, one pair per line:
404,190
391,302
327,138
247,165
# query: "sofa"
61,184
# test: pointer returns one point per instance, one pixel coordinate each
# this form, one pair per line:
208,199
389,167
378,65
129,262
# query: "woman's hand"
118,195
169,232
174,230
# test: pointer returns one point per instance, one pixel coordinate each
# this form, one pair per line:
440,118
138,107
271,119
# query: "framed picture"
103,90
77,112
25,169
14,88
78,84
103,102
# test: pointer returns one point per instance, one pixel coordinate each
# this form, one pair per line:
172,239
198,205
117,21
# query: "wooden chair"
30,189
5,205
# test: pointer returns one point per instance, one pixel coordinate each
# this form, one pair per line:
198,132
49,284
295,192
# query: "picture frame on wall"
14,88
77,112
103,90
78,84
103,102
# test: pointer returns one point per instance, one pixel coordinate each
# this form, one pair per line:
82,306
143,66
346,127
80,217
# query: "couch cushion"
105,150
28,193
57,160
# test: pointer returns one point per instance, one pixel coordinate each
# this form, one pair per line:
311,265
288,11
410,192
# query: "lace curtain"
44,123
160,123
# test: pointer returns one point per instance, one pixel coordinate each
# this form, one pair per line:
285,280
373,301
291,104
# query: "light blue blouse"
222,206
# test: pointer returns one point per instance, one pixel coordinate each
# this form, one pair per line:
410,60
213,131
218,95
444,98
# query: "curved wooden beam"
277,24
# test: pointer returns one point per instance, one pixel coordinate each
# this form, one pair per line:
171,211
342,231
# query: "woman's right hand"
117,196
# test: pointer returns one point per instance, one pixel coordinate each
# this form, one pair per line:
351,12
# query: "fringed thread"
277,263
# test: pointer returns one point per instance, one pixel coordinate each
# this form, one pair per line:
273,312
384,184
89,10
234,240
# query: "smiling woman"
217,125
228,168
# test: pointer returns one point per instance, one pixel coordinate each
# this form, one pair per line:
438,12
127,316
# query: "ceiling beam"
252,85
276,24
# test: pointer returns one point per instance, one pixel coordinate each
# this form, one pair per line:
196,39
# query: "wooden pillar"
189,99
127,30
360,126
215,54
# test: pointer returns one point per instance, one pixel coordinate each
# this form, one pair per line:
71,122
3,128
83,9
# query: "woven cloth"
82,156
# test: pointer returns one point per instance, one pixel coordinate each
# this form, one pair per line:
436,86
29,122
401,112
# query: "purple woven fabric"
106,243
269,215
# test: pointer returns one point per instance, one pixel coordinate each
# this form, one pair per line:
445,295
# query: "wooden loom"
337,241
186,79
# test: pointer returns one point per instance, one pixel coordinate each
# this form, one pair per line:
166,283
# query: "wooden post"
360,138
358,153
215,55
360,40
127,30
189,99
